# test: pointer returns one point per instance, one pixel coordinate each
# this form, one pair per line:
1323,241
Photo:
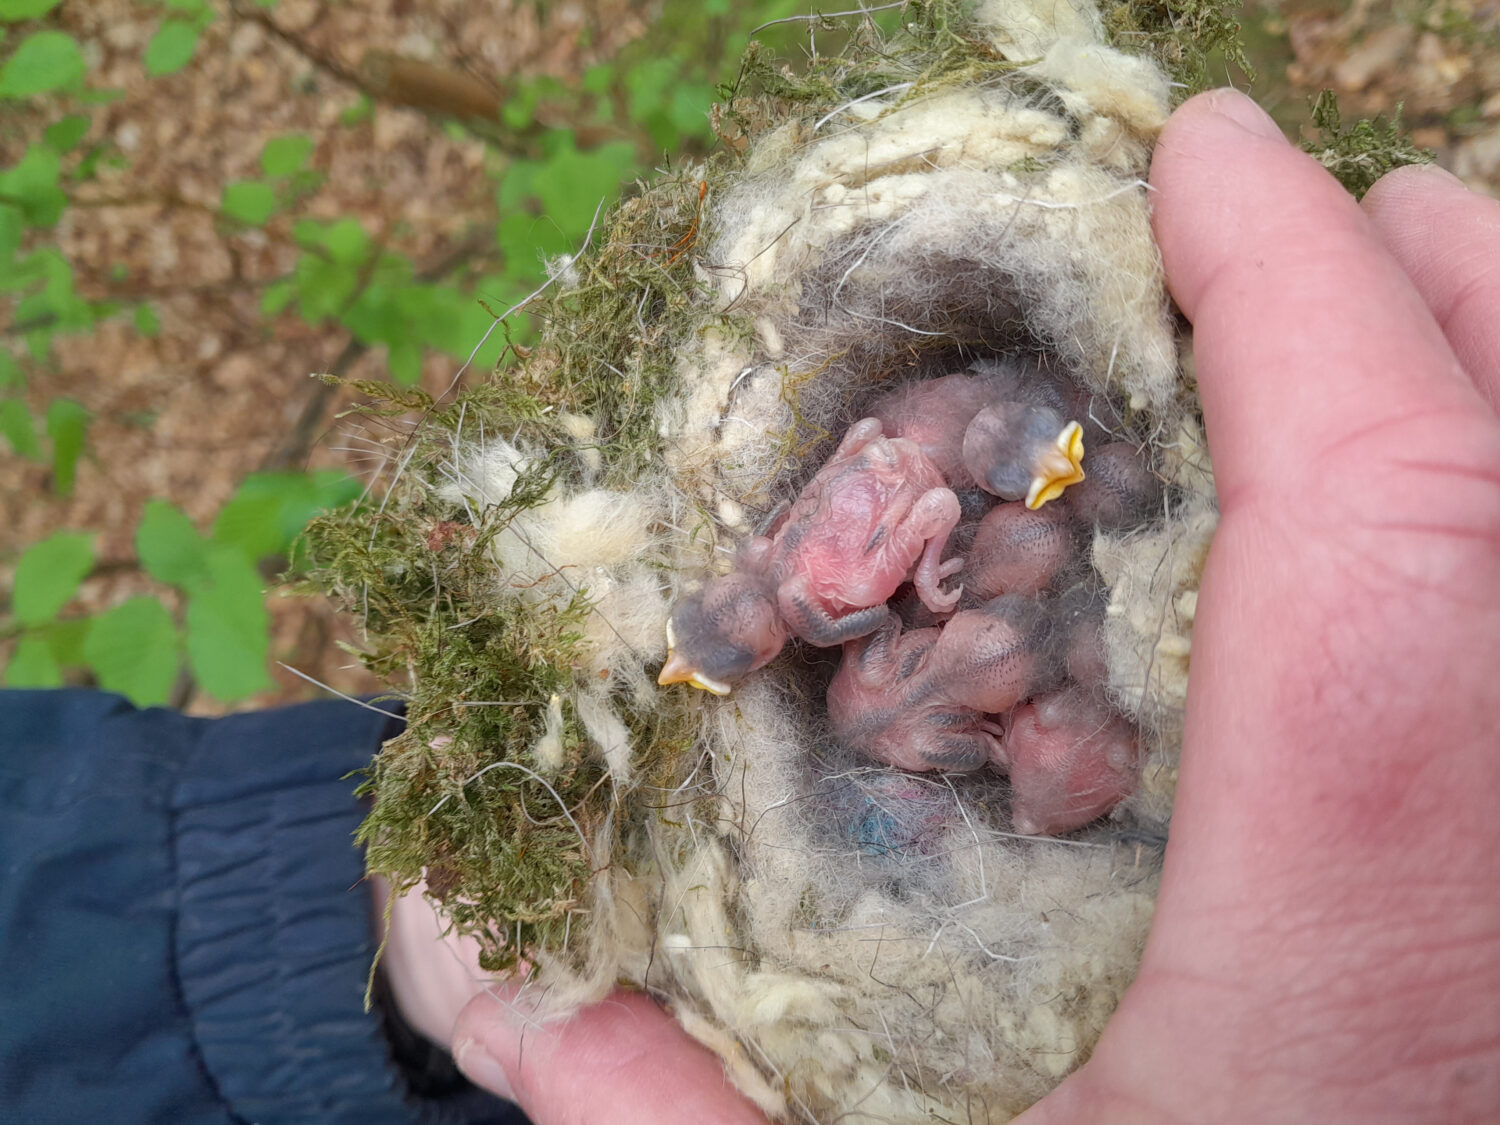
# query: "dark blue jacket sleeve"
184,933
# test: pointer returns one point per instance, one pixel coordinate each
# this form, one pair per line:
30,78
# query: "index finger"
1311,336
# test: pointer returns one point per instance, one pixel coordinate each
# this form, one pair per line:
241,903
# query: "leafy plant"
559,151
136,648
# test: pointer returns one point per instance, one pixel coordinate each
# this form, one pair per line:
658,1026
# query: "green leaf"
249,201
32,185
48,575
19,429
515,184
10,371
525,240
323,287
518,110
45,60
599,78
278,295
688,109
14,10
172,47
360,111
228,628
191,7
12,229
284,155
32,665
132,649
67,426
147,323
404,358
65,639
572,184
64,135
269,510
346,242
169,546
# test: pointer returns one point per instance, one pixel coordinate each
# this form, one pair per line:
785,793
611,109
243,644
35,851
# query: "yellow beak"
1059,466
678,671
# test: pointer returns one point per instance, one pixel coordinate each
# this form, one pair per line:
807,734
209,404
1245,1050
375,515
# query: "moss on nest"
1184,36
458,797
1359,154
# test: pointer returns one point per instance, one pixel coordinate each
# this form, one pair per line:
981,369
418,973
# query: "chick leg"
933,517
814,624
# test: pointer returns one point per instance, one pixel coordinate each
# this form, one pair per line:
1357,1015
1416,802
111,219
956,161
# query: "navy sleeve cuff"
184,922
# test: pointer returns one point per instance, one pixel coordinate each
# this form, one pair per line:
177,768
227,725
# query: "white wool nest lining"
857,943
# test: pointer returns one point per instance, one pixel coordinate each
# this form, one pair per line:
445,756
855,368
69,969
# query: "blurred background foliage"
203,202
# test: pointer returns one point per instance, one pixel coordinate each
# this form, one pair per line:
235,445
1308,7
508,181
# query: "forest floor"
222,390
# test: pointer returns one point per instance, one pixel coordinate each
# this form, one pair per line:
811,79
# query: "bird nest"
855,941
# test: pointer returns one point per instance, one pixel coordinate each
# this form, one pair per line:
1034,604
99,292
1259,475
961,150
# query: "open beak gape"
678,671
1060,465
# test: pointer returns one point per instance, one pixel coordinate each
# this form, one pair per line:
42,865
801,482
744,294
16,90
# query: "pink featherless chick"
1010,428
1018,550
1071,758
924,700
877,514
934,413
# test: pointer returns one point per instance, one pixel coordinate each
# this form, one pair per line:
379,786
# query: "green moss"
1359,154
458,797
1184,36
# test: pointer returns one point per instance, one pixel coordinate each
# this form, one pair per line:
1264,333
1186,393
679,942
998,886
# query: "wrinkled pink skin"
876,515
1017,551
1071,759
923,700
982,428
934,413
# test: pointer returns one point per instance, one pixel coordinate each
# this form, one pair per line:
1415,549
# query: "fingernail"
481,1068
1245,113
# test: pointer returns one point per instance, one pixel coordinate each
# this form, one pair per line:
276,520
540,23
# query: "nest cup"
856,943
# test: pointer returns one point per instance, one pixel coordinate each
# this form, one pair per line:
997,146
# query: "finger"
1447,240
623,1061
1266,254
1340,714
1350,585
432,971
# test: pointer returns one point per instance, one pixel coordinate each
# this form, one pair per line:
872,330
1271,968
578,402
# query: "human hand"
1326,944
1327,939
621,1061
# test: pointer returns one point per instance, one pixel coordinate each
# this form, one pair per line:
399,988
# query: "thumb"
622,1061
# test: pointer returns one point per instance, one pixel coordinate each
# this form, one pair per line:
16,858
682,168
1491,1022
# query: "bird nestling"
932,699
1010,430
1071,758
877,514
